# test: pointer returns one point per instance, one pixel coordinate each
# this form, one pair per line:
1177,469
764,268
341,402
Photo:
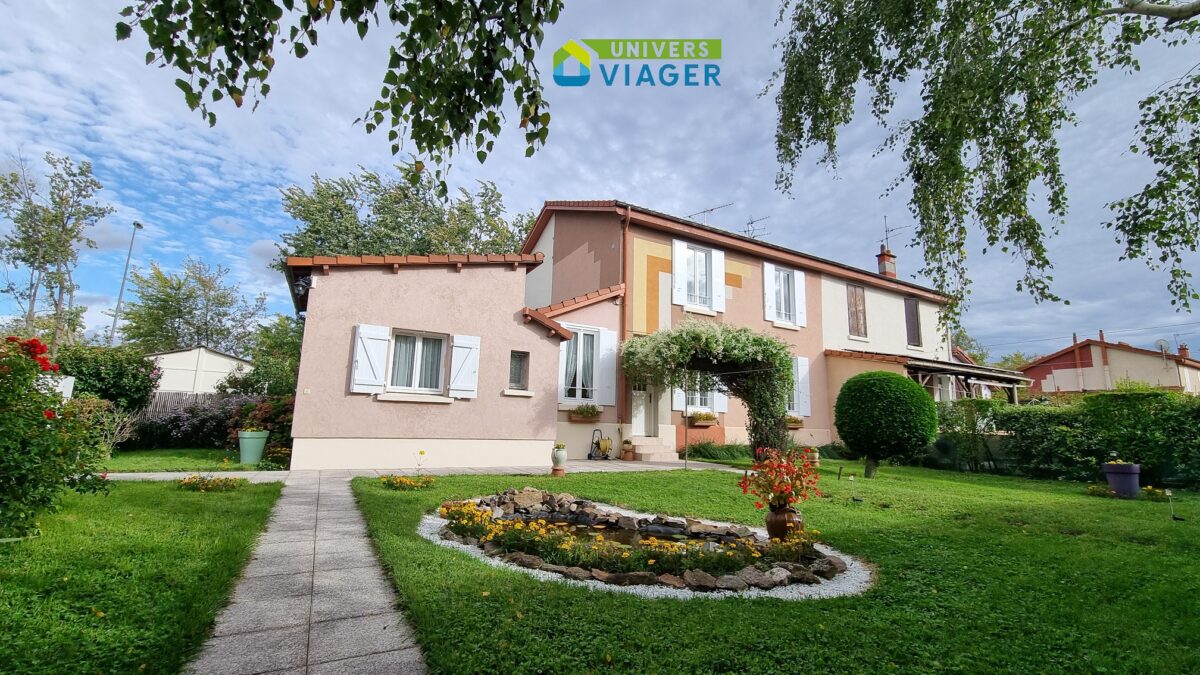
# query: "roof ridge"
583,300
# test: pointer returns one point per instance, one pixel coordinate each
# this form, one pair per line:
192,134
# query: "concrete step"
658,455
641,441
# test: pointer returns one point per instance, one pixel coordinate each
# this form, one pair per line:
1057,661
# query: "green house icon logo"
572,50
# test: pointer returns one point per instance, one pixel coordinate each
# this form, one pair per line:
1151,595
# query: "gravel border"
857,578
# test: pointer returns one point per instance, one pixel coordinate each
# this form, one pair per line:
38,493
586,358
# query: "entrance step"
659,453
642,441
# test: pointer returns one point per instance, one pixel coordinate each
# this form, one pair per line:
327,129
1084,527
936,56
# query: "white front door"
645,423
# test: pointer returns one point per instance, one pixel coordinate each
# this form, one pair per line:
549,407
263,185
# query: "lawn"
975,573
126,583
176,459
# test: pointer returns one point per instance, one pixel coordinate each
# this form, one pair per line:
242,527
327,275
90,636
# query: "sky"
67,86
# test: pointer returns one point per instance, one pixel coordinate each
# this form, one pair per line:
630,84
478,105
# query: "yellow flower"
650,561
625,554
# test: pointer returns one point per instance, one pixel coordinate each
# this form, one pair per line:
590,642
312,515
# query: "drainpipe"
622,324
1104,358
1078,363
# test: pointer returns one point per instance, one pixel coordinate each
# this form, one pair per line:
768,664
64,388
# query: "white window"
579,367
785,294
699,276
700,399
417,362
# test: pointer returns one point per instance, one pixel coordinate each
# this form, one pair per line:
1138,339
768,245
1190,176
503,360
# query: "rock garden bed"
555,536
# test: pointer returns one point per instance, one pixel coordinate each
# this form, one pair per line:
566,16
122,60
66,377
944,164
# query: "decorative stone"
838,563
741,531
627,523
577,573
778,575
565,498
600,575
731,582
671,580
497,512
470,541
557,569
527,500
632,579
508,508
755,577
491,548
525,560
699,580
823,568
798,573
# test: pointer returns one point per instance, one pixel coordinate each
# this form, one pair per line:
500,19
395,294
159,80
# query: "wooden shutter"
718,280
464,366
678,272
367,370
770,313
912,320
798,294
856,309
606,368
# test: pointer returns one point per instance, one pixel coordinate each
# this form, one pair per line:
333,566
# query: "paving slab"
357,636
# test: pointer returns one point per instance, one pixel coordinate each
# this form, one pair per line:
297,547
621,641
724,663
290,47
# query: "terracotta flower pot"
703,423
1123,479
783,520
581,419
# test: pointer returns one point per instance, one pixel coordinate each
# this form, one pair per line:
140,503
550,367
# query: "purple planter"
1123,479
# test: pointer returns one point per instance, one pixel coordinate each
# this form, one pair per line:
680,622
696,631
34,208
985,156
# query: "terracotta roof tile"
355,260
583,300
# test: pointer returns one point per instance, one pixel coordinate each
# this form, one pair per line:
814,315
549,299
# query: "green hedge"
711,450
118,374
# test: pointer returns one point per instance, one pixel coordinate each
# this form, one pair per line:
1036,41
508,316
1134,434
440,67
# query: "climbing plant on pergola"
703,355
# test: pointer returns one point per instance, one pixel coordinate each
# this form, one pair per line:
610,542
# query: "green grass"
126,583
975,573
175,459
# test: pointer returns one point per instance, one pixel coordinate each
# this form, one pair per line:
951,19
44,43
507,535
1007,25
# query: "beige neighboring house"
1098,365
196,370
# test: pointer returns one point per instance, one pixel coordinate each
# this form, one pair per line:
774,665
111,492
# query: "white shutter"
798,294
563,345
678,272
606,368
720,402
769,311
367,374
464,366
678,399
718,280
802,386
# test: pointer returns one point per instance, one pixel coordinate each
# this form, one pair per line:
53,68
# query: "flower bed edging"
857,578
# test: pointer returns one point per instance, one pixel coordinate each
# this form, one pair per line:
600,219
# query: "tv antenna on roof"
750,230
888,231
708,211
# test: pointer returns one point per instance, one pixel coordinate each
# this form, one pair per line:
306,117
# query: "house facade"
195,371
1098,365
616,268
429,361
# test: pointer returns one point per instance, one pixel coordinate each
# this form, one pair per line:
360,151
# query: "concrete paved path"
313,599
573,466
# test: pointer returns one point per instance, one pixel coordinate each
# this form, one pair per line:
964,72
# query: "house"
422,361
195,371
480,360
616,268
1097,365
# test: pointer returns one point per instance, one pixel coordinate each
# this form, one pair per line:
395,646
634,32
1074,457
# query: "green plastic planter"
251,444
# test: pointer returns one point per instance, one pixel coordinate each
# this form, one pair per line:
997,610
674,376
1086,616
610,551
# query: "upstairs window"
912,321
856,306
417,362
785,295
699,276
579,367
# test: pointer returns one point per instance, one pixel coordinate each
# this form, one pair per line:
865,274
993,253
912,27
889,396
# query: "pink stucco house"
479,360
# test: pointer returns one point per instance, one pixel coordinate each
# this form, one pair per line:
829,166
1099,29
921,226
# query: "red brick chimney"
887,262
1184,351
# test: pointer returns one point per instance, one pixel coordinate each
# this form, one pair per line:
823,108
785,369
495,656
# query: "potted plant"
558,457
585,412
794,423
1122,477
627,450
251,441
702,419
779,480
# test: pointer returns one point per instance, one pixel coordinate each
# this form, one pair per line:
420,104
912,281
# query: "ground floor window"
700,399
417,362
579,368
518,370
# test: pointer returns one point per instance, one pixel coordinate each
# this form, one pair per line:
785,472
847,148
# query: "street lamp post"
121,294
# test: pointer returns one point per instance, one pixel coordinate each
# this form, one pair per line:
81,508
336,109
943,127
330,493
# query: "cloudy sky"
66,86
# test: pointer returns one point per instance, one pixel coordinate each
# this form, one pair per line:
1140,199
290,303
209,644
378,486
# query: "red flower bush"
780,478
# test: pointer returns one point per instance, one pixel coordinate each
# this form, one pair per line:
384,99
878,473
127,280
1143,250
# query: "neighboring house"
614,271
404,354
195,371
478,360
1098,365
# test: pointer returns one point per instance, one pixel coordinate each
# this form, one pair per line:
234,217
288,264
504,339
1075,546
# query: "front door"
645,422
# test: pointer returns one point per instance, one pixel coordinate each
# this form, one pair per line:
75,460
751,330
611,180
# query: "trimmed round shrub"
118,374
881,415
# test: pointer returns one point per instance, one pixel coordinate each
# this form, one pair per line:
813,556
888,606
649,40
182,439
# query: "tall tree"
974,348
196,307
1015,360
370,214
275,355
49,227
997,82
449,68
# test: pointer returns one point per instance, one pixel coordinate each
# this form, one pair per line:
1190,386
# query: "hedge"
883,415
122,375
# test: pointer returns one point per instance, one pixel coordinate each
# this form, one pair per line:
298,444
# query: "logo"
639,63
